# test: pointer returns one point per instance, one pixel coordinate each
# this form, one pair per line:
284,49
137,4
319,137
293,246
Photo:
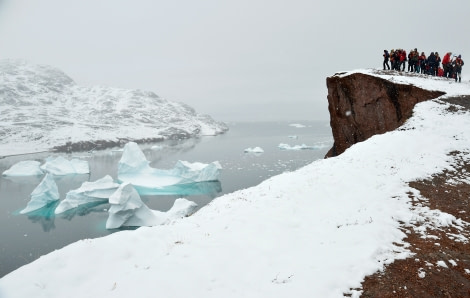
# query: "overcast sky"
235,60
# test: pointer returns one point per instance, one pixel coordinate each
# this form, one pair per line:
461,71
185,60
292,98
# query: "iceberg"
98,191
45,193
133,167
62,166
254,150
127,209
24,168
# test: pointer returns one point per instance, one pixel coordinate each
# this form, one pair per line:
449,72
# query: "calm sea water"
24,238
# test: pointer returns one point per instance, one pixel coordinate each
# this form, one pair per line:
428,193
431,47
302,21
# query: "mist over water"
24,238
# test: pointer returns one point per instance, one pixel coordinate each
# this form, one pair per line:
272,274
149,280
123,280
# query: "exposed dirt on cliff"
363,105
440,266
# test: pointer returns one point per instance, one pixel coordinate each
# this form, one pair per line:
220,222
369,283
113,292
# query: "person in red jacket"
446,64
402,60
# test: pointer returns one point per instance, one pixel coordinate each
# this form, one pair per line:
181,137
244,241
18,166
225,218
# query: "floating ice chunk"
90,192
197,171
132,160
45,193
254,150
293,137
62,166
134,168
283,146
157,147
127,209
297,125
24,168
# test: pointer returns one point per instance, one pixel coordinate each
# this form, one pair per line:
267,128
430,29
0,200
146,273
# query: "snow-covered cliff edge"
41,108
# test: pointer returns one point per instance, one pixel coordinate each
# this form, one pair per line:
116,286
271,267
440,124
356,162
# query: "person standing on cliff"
446,64
386,57
458,68
432,64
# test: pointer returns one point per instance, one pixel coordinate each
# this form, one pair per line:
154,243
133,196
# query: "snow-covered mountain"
42,108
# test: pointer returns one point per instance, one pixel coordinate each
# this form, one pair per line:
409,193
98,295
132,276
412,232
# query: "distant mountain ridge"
42,108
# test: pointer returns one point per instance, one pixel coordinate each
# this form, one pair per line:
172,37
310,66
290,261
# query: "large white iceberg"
127,209
62,166
24,168
90,192
45,193
134,168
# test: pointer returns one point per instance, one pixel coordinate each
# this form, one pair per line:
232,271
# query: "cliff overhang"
362,105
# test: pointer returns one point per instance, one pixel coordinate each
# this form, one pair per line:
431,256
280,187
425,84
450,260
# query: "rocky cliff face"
363,105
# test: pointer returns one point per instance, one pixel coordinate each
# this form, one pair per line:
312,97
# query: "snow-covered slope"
41,107
315,232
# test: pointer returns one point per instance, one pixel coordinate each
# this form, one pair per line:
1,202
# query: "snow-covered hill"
41,108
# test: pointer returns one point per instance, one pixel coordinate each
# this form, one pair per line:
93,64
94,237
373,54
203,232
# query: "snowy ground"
315,232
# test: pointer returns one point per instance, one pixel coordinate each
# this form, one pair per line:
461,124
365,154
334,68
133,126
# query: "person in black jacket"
458,63
432,64
386,57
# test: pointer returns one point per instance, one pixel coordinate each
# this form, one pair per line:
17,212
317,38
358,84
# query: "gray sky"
235,60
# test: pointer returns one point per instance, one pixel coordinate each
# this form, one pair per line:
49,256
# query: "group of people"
419,63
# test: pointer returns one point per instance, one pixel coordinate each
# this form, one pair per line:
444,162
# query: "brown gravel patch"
440,266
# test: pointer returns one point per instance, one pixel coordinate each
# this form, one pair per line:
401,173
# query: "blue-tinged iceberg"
24,168
134,168
127,209
98,191
46,192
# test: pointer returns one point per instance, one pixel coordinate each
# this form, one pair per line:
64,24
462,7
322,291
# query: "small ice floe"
156,147
45,193
62,166
297,125
127,209
134,168
98,191
283,146
24,168
293,137
254,150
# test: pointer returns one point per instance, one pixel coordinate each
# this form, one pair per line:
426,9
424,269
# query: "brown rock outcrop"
363,105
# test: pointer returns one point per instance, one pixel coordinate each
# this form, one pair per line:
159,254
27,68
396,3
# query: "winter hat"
460,56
